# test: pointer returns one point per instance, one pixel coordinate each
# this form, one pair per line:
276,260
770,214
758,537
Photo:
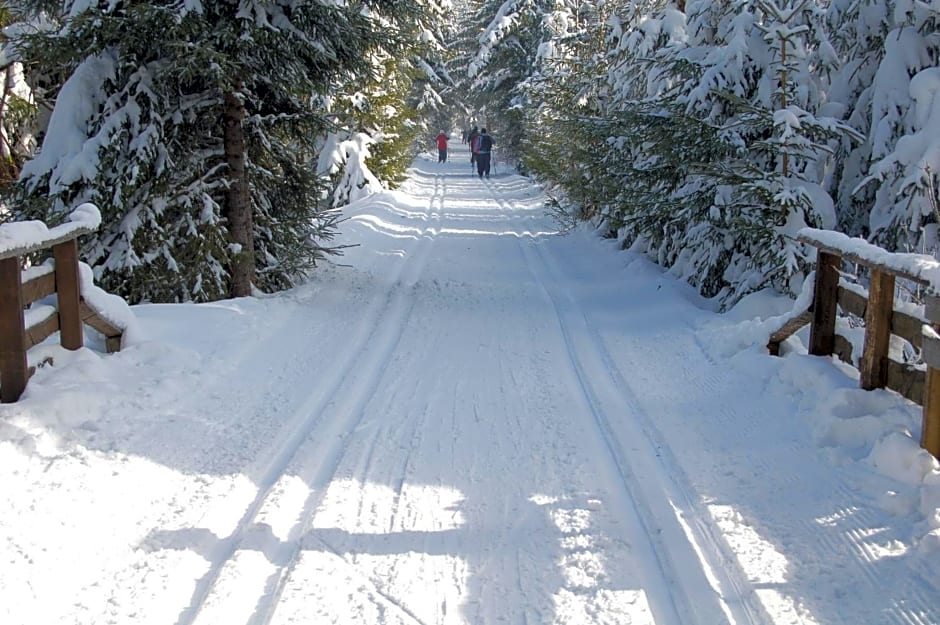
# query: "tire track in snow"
703,591
336,407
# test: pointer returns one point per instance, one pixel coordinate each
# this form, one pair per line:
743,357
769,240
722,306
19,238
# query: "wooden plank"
112,344
906,380
790,327
13,368
906,326
39,332
852,302
873,365
930,425
112,334
37,288
57,235
932,309
825,297
930,428
68,292
843,349
931,351
861,260
91,317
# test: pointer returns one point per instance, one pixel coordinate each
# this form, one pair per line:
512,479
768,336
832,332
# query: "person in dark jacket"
484,149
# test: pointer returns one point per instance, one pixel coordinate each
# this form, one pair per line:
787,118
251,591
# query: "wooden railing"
877,308
20,331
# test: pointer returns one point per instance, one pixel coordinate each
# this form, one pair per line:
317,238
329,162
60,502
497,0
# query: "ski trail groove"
381,326
661,521
349,400
660,467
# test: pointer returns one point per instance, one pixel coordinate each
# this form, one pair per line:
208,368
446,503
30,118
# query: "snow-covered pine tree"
377,114
858,29
905,113
18,109
511,34
744,85
138,130
433,94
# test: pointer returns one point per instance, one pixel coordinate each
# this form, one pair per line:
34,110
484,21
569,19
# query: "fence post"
13,366
930,429
873,365
68,292
822,332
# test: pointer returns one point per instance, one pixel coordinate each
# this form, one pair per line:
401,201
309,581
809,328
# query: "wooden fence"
876,368
20,332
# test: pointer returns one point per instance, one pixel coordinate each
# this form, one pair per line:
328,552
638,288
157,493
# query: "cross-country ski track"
469,418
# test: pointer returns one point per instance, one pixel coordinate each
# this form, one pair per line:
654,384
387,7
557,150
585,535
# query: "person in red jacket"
442,147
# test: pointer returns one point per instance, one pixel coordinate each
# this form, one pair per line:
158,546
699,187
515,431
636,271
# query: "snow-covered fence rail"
877,308
21,329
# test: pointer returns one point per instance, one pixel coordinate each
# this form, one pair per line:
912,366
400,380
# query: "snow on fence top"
19,238
920,268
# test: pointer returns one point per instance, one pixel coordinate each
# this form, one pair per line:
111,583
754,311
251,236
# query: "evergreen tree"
186,123
715,148
903,177
506,58
18,109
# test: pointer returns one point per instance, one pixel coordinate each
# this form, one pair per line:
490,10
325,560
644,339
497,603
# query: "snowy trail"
394,499
734,469
333,409
677,531
476,421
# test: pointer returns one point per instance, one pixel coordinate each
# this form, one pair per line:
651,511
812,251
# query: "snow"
473,419
31,235
921,266
67,154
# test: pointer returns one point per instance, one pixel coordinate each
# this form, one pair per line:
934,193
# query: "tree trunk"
237,200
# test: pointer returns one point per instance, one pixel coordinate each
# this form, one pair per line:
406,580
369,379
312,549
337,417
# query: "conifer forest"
221,139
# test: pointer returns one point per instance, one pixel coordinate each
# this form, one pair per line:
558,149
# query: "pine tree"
18,109
139,131
507,56
904,173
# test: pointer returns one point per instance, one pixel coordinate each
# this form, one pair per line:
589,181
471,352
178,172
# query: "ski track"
913,603
668,529
822,546
377,336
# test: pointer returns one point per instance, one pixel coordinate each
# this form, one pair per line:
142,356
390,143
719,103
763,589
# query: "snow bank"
111,308
879,429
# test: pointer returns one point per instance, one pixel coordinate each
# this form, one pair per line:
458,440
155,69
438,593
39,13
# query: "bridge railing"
877,307
21,329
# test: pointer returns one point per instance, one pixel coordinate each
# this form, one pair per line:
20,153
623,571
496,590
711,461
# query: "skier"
471,139
442,147
484,145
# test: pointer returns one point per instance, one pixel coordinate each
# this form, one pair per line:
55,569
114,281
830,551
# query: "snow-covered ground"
474,420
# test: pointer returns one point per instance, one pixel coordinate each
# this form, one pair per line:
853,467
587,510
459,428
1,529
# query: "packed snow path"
477,421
